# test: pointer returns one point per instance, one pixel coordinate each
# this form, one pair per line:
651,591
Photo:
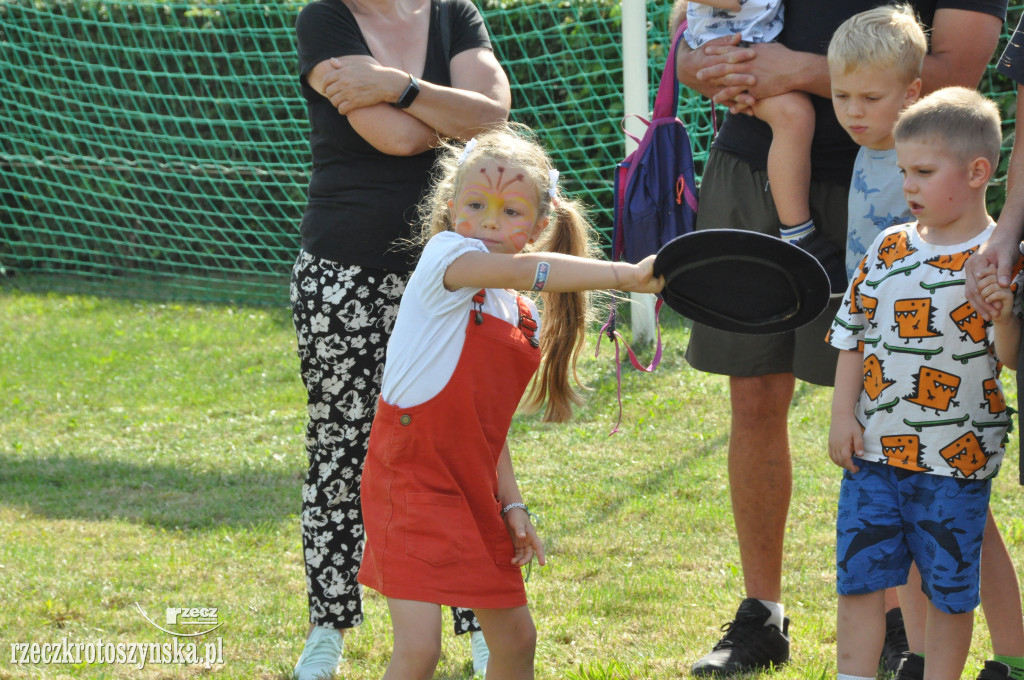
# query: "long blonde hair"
566,316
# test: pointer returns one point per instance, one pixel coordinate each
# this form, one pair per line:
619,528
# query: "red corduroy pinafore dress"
434,531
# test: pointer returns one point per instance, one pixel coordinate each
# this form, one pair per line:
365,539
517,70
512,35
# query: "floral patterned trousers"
343,317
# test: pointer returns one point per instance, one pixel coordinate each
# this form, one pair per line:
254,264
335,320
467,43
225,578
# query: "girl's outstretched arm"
563,273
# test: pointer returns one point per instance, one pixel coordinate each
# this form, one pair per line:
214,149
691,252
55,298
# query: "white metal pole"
636,101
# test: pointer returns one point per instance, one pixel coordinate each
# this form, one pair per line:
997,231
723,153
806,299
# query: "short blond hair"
963,120
887,37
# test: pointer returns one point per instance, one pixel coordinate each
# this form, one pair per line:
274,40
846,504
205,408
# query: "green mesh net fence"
160,150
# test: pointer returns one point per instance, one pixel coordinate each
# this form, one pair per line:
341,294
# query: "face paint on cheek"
461,226
519,239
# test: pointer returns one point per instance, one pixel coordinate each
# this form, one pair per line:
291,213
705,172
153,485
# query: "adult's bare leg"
761,477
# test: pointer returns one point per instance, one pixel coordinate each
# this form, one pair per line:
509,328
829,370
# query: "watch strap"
409,95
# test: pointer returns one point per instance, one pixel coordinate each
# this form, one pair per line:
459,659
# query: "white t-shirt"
431,326
758,21
931,398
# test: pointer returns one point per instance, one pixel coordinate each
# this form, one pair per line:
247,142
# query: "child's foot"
994,670
321,655
895,644
480,654
824,252
911,667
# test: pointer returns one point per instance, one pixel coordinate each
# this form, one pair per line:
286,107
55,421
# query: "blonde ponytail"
566,317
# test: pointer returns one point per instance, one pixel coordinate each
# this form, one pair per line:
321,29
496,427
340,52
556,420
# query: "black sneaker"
911,667
748,644
895,644
825,253
994,670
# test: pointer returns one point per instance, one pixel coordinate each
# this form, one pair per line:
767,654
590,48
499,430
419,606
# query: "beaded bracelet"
511,506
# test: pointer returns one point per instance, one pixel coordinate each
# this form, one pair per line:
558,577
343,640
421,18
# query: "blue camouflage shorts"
889,517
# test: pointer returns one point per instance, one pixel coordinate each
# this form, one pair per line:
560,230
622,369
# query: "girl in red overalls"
445,522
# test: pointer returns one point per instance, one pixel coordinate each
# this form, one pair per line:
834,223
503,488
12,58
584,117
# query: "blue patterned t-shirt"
876,202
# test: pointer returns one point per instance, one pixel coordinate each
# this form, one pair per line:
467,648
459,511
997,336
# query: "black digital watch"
411,90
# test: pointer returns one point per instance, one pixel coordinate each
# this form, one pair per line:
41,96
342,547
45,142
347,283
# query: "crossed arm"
362,89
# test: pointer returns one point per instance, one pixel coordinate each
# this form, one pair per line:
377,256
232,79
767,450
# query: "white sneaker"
321,655
480,653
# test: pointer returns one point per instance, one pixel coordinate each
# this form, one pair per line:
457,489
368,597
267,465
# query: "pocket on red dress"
436,527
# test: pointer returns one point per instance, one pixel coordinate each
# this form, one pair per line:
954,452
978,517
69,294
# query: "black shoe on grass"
895,645
911,667
749,644
994,670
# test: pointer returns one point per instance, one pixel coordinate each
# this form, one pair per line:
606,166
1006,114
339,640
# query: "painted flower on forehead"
468,149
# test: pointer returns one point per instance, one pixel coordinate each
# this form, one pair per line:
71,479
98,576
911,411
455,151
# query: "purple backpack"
655,199
655,190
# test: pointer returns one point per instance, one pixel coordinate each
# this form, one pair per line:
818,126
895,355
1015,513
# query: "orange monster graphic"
869,304
934,389
965,454
914,319
894,248
904,451
859,277
874,379
993,397
951,263
967,320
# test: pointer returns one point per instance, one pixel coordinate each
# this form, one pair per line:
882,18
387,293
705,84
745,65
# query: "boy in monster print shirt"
918,418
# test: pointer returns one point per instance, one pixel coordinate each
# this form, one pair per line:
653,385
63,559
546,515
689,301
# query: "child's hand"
524,538
1000,298
643,280
845,440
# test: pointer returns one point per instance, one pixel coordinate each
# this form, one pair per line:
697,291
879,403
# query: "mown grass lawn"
151,457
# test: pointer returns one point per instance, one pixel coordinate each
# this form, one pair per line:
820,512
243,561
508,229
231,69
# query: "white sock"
778,613
793,234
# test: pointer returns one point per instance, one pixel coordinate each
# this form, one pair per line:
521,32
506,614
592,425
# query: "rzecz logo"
186,621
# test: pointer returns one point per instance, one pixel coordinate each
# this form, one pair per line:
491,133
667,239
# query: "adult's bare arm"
961,46
479,96
738,76
392,131
962,43
362,89
716,67
1002,247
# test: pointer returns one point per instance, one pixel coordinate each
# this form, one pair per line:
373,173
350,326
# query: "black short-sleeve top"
808,27
1011,64
360,200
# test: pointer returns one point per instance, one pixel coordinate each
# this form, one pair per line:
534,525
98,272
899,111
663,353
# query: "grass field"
151,457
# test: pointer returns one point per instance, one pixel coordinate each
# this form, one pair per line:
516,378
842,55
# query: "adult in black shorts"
734,194
383,80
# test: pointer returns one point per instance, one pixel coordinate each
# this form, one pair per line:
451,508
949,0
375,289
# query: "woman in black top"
383,81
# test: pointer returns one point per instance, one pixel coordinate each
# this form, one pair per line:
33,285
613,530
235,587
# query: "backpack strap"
666,102
614,335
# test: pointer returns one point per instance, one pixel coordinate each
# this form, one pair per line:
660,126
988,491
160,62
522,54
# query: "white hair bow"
468,149
552,182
